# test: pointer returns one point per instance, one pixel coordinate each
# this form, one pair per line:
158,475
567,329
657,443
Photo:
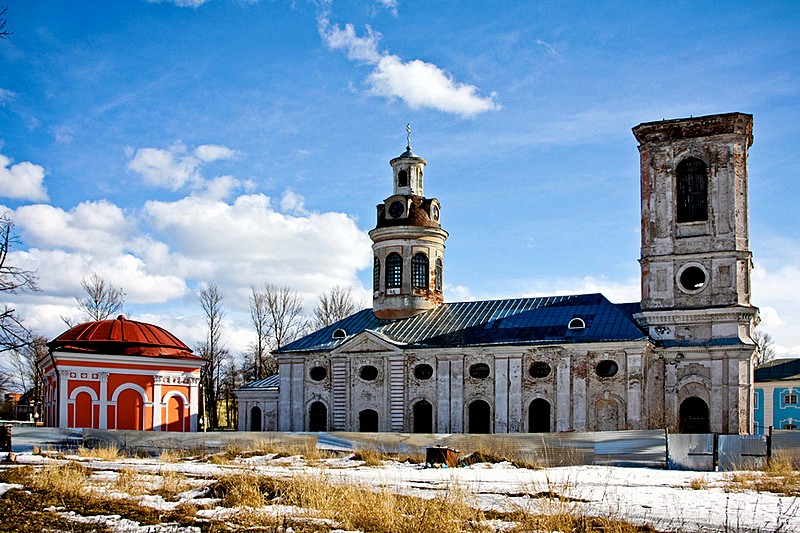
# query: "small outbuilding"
121,374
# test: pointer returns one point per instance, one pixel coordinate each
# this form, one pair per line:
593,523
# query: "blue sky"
169,144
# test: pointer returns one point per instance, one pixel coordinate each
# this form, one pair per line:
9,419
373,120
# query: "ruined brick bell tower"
408,244
695,268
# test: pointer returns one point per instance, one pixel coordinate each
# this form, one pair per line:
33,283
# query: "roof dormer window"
576,323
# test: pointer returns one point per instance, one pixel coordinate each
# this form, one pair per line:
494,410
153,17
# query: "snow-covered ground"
661,498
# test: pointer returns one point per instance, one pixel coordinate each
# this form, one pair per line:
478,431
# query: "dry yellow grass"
170,456
371,457
130,482
68,480
698,483
171,483
104,453
779,477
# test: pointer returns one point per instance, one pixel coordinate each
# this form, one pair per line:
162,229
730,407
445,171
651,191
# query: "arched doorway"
693,416
539,416
480,417
423,417
318,417
83,410
255,418
130,410
368,421
175,414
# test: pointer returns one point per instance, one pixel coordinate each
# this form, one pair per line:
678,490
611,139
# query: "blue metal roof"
491,322
778,370
266,383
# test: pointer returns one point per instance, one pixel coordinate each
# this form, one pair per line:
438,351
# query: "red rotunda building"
121,374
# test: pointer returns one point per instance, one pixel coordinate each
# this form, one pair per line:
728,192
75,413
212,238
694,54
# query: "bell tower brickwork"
695,266
408,244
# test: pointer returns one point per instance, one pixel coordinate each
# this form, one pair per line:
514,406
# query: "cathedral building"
681,358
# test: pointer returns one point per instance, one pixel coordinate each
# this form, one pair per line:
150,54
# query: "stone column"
515,424
500,394
157,402
340,377
103,400
194,403
563,395
284,395
443,424
718,389
457,395
298,414
63,384
634,401
397,392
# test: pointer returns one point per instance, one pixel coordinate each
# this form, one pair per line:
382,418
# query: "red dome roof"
121,337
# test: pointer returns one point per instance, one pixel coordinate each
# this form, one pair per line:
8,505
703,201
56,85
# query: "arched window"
394,271
255,418
539,416
402,178
368,421
692,178
423,417
480,417
318,417
419,271
693,416
376,274
439,275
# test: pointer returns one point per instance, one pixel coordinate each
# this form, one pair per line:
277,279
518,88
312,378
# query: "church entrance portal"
480,417
255,419
539,416
693,416
368,421
423,417
318,417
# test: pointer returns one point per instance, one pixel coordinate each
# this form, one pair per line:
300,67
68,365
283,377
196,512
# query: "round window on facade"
539,370
607,368
479,371
423,371
368,373
318,373
692,279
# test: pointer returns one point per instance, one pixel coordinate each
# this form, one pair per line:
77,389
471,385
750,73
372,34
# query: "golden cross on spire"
408,136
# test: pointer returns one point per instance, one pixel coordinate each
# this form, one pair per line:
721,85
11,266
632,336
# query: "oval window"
607,368
423,371
318,373
368,373
539,369
692,279
339,333
479,371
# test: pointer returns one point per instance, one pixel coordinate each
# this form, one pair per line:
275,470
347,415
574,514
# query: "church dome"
121,336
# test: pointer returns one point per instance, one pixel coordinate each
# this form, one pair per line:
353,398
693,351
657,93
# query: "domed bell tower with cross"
408,243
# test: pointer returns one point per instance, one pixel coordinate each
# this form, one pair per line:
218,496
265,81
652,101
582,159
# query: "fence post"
769,444
715,453
5,438
666,448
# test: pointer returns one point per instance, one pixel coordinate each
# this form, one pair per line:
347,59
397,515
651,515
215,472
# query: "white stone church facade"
681,358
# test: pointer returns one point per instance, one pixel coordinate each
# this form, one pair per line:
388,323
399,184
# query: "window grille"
394,271
419,271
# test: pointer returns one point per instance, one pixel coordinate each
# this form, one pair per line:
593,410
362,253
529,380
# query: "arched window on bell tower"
376,274
692,190
394,271
419,271
439,275
402,178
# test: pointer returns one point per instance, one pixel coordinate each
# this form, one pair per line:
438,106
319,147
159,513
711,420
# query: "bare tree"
765,346
4,33
102,300
13,334
286,319
260,318
334,305
213,351
24,363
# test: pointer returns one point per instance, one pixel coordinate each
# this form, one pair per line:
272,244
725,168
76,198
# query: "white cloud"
417,83
97,227
23,181
391,5
213,152
424,85
616,292
174,167
293,203
6,95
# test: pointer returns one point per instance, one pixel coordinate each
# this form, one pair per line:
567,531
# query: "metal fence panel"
741,452
25,439
786,442
691,452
